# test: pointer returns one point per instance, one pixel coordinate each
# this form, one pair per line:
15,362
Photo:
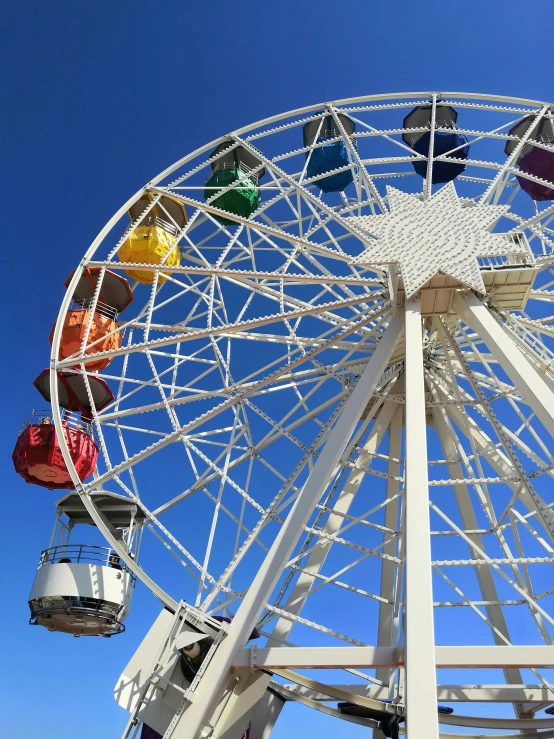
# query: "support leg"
211,685
527,380
388,567
265,715
317,558
469,520
421,678
347,495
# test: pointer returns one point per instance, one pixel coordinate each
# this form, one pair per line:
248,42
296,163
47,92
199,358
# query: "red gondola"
37,456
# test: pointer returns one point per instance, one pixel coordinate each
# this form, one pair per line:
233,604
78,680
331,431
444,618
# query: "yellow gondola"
150,241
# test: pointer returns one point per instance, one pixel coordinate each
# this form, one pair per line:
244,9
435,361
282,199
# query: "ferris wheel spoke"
177,556
497,185
251,385
483,557
141,384
241,528
253,318
153,520
294,379
507,464
170,438
327,535
290,301
259,447
494,618
195,334
224,479
222,473
310,199
263,521
292,239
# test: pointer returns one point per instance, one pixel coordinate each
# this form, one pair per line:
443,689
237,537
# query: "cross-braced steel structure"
337,413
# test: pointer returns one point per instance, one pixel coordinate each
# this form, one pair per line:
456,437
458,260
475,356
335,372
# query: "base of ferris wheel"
198,676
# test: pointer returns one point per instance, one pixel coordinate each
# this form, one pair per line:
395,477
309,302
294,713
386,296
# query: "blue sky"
99,97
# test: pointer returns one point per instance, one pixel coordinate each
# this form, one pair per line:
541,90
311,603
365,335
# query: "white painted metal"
446,693
413,236
266,714
233,378
152,701
331,657
450,446
316,559
259,592
529,383
84,581
421,677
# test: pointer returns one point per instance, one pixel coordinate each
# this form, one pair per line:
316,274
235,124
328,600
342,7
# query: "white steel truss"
362,474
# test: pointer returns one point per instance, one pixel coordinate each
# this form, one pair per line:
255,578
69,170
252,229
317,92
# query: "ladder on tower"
152,681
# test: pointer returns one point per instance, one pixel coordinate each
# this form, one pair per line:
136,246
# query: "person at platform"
115,562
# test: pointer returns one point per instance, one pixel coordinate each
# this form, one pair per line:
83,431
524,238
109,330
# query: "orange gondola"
99,327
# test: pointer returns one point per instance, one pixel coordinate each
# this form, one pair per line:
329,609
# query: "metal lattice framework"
273,389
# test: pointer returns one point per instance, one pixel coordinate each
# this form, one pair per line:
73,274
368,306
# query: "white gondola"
81,589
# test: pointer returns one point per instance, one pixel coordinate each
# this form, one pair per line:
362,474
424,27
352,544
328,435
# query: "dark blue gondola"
330,156
444,141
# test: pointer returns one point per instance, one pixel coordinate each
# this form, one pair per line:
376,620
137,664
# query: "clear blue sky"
100,96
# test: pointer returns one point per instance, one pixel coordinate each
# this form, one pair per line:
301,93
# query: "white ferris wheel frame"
510,347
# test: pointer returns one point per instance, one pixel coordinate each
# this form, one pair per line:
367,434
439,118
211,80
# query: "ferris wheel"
321,432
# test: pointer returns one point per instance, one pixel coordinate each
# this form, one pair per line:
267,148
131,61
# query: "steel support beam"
317,558
385,635
483,573
265,715
356,657
211,685
451,693
421,674
528,381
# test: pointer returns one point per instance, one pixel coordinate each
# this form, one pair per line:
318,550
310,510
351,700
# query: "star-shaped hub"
424,237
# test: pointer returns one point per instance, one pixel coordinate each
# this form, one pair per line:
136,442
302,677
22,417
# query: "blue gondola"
330,156
444,141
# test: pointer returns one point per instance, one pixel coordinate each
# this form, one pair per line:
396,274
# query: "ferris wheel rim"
89,504
295,111
408,98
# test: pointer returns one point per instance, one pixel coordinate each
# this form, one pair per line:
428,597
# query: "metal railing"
153,220
442,126
74,421
102,308
524,259
84,554
100,610
219,166
334,133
